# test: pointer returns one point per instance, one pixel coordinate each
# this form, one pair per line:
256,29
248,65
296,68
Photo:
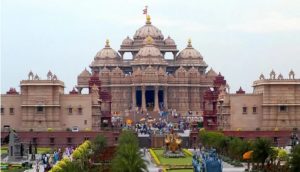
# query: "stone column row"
156,101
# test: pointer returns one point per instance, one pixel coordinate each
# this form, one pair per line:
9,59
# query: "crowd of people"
46,161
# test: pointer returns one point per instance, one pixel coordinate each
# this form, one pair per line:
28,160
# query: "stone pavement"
229,168
151,166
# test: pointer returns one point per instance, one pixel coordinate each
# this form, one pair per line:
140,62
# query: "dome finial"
189,42
148,19
149,40
107,43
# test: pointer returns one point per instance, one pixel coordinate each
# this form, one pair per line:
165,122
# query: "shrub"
295,159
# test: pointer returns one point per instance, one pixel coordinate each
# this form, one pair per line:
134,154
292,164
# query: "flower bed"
169,163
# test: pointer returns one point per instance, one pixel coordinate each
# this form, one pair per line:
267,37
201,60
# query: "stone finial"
272,74
54,77
148,19
36,77
73,91
12,91
262,77
49,75
240,91
291,74
189,42
107,43
30,75
280,76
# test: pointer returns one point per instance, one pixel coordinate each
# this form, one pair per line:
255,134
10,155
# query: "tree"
99,144
128,158
128,137
237,147
262,150
295,159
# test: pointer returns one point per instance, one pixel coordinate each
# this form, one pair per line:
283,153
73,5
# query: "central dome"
149,54
148,30
149,50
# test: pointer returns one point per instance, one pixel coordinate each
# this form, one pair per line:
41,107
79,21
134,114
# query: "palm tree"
128,158
128,137
262,150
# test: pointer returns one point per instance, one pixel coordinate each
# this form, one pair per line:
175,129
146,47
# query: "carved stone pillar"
166,97
156,105
133,96
144,98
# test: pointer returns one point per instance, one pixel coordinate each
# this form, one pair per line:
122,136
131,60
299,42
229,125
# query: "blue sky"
240,39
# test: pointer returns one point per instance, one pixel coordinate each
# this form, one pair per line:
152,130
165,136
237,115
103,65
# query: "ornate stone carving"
272,75
291,74
49,75
161,71
150,71
138,71
54,77
280,76
36,77
180,72
262,77
30,75
117,72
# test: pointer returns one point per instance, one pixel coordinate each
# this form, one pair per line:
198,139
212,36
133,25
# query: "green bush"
295,159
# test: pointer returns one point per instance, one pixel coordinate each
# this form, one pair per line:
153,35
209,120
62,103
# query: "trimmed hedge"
189,153
153,154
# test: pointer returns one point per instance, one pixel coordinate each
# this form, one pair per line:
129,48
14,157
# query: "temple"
147,82
147,79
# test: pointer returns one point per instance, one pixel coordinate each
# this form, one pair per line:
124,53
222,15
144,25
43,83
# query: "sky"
240,39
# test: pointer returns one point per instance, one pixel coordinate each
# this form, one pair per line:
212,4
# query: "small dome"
169,41
85,73
107,52
189,52
148,30
127,41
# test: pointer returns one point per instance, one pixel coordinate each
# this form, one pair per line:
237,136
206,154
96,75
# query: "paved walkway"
151,166
229,168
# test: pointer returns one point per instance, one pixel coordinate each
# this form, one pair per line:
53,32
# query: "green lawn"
187,160
14,170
